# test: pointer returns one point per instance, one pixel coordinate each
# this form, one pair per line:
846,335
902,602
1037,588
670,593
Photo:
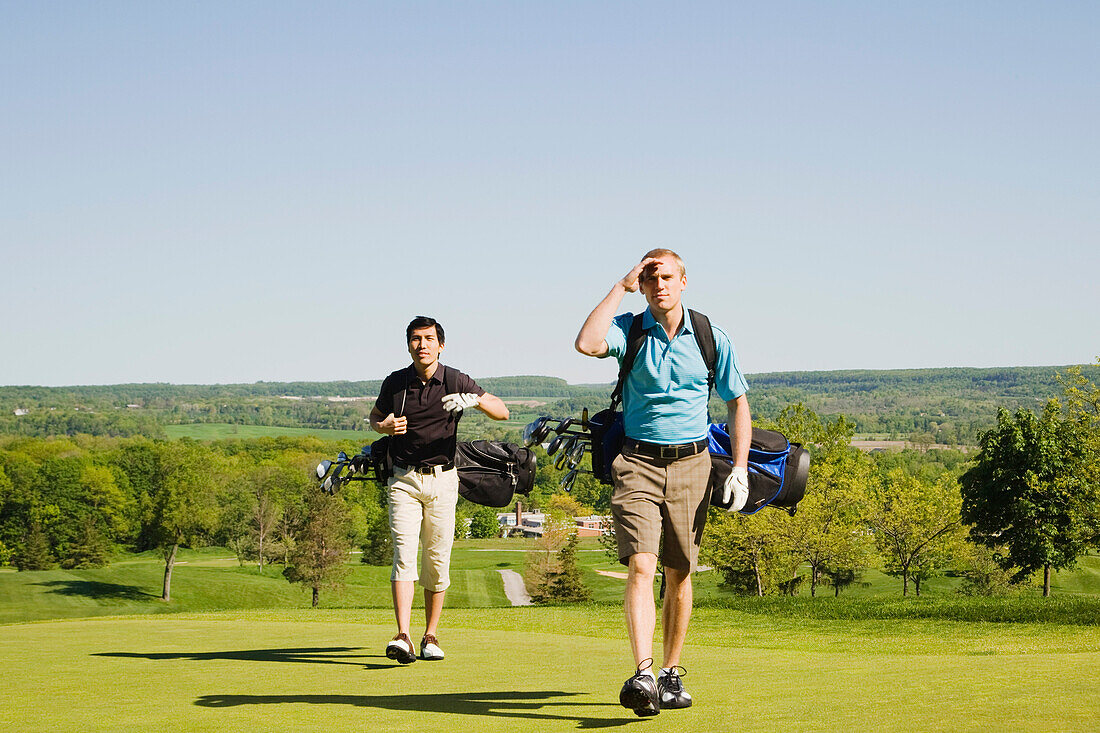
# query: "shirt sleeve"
467,384
616,335
729,382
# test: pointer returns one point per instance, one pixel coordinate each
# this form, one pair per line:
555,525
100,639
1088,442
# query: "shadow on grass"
315,655
524,705
96,589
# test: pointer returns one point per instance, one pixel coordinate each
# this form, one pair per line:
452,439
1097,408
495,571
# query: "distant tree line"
1027,501
945,406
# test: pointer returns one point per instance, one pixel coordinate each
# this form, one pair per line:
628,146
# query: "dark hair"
423,322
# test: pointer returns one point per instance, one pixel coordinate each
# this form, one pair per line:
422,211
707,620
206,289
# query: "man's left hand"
459,401
737,488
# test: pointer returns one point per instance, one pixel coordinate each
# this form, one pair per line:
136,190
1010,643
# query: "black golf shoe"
401,649
640,694
673,694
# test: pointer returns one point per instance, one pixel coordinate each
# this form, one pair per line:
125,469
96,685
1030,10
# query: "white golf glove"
737,486
459,401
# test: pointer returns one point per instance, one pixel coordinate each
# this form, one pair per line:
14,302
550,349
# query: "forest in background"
949,406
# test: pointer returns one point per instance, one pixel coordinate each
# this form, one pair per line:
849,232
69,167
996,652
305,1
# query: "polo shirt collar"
437,377
648,321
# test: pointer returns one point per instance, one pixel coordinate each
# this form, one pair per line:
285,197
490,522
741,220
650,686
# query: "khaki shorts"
657,498
422,509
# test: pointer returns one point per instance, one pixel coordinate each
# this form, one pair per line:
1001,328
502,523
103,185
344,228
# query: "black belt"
425,470
669,452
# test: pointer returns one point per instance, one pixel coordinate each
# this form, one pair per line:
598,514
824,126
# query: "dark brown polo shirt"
430,439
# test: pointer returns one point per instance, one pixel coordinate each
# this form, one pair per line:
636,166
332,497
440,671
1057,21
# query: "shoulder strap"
635,337
704,336
449,387
448,380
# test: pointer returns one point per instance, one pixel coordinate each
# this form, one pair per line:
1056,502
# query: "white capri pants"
422,507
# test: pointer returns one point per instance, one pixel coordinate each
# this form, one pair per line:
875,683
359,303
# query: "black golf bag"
490,472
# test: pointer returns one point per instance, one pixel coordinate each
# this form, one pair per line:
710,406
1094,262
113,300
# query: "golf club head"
568,480
554,445
564,425
326,486
564,451
341,457
576,453
532,432
323,467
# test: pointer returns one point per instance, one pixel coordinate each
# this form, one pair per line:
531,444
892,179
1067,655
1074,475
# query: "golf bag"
778,470
490,472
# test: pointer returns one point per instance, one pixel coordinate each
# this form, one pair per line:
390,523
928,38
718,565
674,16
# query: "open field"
221,431
556,668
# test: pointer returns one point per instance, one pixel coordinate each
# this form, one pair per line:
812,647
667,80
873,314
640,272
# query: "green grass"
548,669
211,579
238,650
221,431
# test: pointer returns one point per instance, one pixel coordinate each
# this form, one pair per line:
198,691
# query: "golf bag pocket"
490,472
608,433
380,459
777,470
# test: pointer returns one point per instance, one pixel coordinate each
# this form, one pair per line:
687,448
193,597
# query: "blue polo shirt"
665,394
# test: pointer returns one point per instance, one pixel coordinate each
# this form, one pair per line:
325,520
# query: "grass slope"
211,579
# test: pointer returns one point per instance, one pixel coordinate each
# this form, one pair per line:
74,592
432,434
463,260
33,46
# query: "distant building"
531,524
19,412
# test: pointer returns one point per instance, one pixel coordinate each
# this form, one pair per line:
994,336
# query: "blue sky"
233,192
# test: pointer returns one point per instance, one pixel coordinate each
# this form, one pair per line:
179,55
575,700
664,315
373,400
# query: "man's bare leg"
433,607
641,614
402,603
675,614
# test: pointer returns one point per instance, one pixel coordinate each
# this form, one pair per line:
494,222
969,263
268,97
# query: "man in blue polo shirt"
660,498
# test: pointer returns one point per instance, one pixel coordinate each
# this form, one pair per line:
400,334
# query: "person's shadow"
526,705
307,655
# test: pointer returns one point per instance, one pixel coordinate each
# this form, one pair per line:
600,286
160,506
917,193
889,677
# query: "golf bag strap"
704,337
635,338
449,387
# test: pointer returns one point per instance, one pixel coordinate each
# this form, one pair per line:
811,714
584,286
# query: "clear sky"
231,192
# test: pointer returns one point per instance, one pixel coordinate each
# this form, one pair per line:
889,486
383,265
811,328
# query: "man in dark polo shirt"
660,499
420,406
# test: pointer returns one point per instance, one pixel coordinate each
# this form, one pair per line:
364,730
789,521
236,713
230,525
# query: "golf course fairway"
540,669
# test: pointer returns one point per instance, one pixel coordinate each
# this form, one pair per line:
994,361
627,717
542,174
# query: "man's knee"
643,565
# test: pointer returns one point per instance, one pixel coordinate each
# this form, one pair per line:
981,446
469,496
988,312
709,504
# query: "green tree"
319,557
567,584
183,506
484,524
914,520
543,561
827,531
35,552
1031,492
751,552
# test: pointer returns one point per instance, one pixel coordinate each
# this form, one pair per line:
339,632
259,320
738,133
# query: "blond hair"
661,252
